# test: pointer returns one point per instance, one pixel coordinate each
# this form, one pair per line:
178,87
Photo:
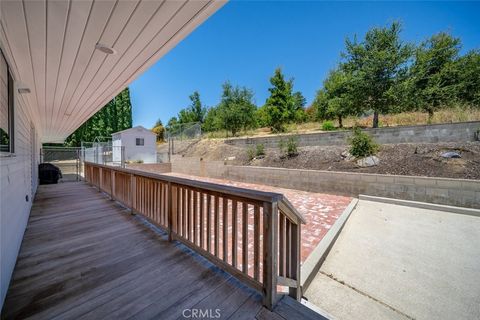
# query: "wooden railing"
253,235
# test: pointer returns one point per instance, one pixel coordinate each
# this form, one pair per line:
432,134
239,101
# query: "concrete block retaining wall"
455,192
448,132
151,167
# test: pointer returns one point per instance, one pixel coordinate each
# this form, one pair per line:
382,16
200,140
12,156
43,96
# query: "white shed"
139,144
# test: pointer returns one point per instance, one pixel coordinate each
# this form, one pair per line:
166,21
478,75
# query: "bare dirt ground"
397,159
414,159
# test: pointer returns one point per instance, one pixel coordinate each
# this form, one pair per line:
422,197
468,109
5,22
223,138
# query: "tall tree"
159,130
281,105
376,65
195,112
434,72
212,120
468,67
115,116
299,102
337,98
236,109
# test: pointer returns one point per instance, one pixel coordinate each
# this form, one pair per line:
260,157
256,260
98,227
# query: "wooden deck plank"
84,256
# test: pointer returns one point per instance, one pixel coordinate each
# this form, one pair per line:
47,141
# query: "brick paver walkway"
319,209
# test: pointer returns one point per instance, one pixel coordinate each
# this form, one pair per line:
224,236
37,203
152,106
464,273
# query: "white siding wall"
147,152
15,184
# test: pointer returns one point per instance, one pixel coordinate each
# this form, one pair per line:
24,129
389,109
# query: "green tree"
236,109
376,65
261,116
193,113
212,120
115,116
172,122
159,130
468,68
299,106
337,98
281,106
434,72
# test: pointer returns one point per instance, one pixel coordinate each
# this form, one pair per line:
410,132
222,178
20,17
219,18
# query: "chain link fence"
66,159
181,136
103,153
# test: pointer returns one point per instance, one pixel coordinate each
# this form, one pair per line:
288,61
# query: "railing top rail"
286,207
231,190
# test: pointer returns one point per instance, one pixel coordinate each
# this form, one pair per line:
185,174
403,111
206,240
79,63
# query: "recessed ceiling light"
105,49
22,87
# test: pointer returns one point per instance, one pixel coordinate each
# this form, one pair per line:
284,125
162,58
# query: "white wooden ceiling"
50,45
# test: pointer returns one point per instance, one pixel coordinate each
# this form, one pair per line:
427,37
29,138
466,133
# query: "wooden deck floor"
85,257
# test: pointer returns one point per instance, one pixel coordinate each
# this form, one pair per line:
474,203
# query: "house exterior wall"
18,184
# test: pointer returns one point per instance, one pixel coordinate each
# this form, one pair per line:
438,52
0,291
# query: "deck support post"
270,249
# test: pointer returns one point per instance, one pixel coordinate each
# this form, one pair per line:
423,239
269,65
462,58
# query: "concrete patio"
398,262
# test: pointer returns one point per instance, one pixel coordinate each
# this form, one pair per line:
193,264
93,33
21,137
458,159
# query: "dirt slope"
422,159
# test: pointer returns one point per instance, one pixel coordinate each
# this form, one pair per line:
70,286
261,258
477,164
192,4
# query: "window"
6,107
139,142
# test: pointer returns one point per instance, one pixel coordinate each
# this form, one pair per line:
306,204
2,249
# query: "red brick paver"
320,210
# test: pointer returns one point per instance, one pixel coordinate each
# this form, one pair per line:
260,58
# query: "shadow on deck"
85,257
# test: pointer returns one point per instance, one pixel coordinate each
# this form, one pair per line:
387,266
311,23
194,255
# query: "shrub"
260,150
328,126
289,147
250,152
362,144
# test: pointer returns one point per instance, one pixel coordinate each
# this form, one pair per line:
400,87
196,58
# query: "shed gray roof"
134,129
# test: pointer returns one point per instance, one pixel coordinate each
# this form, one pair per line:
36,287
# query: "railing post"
170,211
296,293
133,196
270,249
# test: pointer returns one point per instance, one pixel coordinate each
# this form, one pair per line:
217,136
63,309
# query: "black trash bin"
48,173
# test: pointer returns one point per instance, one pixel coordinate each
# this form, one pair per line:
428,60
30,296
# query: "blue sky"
246,40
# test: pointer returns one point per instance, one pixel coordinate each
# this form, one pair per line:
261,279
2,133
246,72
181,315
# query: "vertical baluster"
100,173
195,216
179,209
202,218
256,243
281,249
225,228
133,193
288,248
170,211
234,233
245,238
216,221
162,204
156,209
112,185
189,214
209,222
184,213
